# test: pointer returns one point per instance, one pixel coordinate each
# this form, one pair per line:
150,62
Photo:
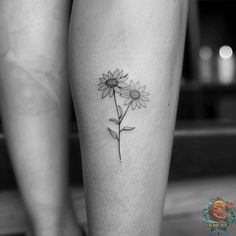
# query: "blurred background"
203,163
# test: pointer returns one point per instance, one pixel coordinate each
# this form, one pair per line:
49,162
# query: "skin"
34,94
145,39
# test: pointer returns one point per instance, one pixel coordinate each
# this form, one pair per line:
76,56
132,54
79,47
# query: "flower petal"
138,104
100,84
142,103
102,87
125,93
142,88
102,80
127,89
105,76
111,92
137,86
105,92
145,93
116,73
110,75
144,98
117,89
134,104
122,79
128,101
120,75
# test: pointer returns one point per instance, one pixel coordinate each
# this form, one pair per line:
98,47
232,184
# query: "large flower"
136,95
112,82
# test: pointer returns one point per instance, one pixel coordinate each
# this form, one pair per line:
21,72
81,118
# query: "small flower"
136,95
112,82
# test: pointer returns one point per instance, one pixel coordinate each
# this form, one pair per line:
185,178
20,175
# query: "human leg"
34,104
126,154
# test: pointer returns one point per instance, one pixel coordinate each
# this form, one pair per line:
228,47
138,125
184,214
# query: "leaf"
120,111
128,128
113,134
114,120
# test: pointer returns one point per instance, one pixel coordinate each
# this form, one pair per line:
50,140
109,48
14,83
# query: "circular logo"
218,215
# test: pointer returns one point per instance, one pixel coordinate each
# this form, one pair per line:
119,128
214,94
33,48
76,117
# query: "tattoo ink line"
118,126
135,95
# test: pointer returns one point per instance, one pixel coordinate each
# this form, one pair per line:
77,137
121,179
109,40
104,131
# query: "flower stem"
119,149
119,126
125,112
116,104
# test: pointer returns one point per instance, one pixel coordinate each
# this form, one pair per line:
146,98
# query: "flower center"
112,83
134,94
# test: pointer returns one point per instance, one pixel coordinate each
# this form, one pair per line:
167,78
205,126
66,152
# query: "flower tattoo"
136,95
113,84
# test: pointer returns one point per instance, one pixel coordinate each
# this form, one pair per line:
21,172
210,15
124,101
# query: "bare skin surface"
38,90
34,104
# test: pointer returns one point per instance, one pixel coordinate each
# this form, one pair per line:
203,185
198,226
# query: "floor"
182,211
